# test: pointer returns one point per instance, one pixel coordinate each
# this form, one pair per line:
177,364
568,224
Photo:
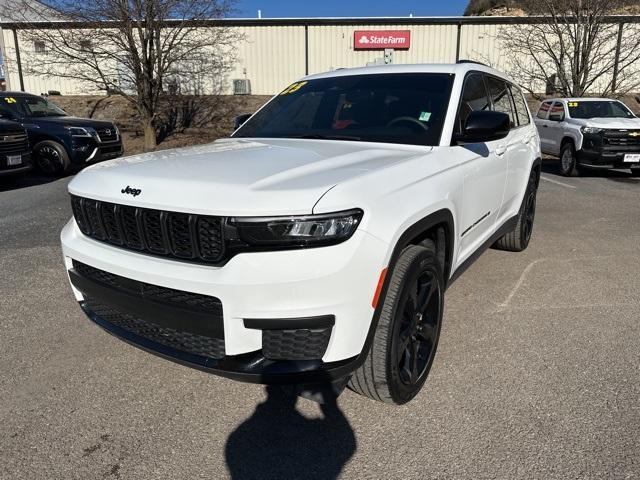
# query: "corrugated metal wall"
272,56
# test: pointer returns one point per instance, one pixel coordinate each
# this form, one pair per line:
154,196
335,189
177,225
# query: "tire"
635,172
51,158
388,374
518,239
569,160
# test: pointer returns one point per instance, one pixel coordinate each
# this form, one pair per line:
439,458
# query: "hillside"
514,8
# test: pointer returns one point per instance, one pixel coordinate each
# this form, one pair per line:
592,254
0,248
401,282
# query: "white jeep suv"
315,244
589,132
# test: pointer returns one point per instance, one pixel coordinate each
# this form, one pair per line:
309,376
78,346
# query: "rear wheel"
635,172
406,337
518,239
51,158
569,160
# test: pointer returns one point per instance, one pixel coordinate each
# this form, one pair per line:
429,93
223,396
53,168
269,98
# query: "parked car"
589,132
60,143
317,243
15,154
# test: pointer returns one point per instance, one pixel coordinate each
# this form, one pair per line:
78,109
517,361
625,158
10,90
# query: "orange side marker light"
376,296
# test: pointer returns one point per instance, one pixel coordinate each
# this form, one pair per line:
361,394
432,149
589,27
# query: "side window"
501,98
557,112
474,98
521,106
544,110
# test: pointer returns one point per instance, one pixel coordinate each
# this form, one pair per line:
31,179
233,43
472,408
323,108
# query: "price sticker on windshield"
293,88
10,100
573,104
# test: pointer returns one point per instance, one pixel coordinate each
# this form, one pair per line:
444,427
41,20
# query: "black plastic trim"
506,227
250,367
161,314
324,321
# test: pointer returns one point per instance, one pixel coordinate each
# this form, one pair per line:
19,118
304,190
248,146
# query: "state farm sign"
381,39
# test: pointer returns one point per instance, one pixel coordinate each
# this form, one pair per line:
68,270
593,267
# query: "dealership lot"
536,374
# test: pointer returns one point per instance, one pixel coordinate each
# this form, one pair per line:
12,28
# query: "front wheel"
408,329
51,158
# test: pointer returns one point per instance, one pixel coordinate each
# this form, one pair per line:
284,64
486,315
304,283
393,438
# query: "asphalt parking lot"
537,374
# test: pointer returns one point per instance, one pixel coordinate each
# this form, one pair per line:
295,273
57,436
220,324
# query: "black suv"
60,143
15,154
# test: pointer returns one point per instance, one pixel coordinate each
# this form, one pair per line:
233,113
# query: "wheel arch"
438,227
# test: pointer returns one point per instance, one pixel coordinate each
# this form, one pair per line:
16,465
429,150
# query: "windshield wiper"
318,136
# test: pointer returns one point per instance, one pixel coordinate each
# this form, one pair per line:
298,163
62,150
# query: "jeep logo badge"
131,191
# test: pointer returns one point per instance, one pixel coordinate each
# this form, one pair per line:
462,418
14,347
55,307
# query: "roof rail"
472,61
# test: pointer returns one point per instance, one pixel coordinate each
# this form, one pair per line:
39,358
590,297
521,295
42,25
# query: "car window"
474,98
557,112
544,110
405,108
598,109
501,98
521,106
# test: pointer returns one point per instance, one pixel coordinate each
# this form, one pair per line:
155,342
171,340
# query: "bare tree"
577,47
135,48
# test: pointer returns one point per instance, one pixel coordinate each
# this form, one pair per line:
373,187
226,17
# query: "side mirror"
240,119
484,126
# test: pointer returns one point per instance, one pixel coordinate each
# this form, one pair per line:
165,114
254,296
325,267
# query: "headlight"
591,130
82,131
300,231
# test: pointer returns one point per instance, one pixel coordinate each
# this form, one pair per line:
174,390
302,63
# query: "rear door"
509,148
485,171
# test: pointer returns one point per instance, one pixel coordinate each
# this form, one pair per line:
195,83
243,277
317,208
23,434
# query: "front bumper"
85,151
23,167
598,151
261,293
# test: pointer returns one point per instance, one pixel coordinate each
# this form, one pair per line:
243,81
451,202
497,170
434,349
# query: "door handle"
545,126
501,150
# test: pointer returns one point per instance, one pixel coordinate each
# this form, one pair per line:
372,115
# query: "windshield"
32,107
599,109
393,108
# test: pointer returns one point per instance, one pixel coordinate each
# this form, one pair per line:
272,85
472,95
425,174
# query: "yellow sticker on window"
293,88
10,100
573,104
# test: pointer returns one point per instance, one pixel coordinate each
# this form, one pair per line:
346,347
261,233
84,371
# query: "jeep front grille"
175,235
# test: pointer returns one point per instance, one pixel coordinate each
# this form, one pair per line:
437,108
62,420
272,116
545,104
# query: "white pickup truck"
591,132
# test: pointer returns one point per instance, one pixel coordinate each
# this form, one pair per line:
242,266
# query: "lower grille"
186,307
183,341
299,344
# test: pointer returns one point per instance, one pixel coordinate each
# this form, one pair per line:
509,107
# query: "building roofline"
319,21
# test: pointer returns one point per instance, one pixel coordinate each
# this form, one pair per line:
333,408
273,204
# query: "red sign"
381,39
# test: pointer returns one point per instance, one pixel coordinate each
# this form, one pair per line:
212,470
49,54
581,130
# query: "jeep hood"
237,176
616,123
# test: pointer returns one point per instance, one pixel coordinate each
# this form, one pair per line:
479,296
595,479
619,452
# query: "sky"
348,8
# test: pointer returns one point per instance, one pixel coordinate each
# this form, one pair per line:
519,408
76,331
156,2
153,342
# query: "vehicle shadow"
278,442
24,181
552,167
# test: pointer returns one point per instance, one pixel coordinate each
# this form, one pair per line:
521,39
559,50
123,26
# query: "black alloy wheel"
418,323
51,158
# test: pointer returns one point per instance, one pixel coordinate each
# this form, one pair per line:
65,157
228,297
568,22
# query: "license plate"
17,160
632,157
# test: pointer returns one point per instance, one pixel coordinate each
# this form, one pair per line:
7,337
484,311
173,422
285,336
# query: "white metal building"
276,52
